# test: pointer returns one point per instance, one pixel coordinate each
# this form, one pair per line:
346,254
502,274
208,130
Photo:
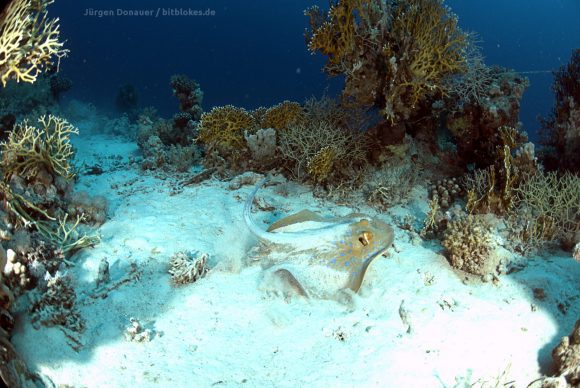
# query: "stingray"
312,255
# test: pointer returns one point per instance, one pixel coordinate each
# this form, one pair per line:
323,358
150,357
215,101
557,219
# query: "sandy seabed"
222,330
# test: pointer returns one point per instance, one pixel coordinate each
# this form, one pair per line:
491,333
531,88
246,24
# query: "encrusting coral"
29,40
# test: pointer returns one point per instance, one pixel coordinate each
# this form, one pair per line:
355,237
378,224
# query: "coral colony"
419,107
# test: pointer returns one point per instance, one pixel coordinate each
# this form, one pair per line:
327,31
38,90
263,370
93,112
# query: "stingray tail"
259,233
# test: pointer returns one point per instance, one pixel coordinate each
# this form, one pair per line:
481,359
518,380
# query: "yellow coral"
28,40
259,113
281,116
320,165
392,54
29,148
333,34
430,35
224,126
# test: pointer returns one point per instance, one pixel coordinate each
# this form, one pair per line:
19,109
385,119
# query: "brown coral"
566,356
470,245
393,54
320,165
281,116
333,34
430,36
28,40
224,127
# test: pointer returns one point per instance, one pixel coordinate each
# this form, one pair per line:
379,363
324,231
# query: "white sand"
223,331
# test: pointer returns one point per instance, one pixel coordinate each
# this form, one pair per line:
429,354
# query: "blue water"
253,53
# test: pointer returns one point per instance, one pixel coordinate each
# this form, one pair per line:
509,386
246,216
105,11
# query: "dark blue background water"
253,53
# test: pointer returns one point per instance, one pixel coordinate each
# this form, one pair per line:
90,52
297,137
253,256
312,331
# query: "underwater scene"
318,193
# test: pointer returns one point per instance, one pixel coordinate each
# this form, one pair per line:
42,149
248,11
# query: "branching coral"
393,54
333,34
548,209
29,40
224,126
390,185
56,231
320,165
491,190
317,149
429,35
30,148
281,116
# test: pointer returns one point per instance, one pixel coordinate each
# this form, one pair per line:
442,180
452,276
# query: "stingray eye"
365,238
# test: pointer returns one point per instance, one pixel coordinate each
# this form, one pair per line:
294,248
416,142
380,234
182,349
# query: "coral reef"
390,185
30,101
470,245
92,209
17,270
566,357
224,127
157,154
13,370
29,150
280,116
394,55
445,191
491,190
182,129
169,145
187,267
474,119
56,307
262,145
6,295
29,40
37,178
547,209
561,131
320,151
189,94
